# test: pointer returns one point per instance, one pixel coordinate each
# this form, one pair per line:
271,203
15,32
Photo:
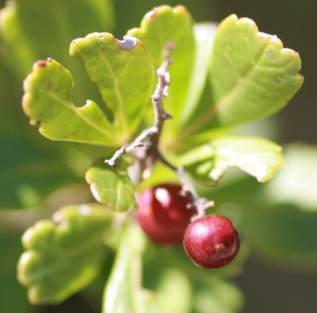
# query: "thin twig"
201,204
149,138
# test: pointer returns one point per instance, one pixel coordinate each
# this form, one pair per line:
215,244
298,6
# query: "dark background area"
267,288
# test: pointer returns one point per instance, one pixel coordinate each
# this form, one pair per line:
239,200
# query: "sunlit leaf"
256,156
47,101
251,76
123,72
159,26
112,186
63,255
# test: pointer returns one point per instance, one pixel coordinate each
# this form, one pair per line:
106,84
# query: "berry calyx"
211,241
164,213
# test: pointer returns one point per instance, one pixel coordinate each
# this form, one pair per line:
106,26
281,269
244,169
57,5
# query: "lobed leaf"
255,156
123,291
112,186
251,76
47,101
64,255
123,72
159,26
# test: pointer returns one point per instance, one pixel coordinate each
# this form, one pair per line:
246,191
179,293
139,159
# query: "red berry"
164,214
211,241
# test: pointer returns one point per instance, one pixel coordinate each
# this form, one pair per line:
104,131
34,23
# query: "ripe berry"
164,214
211,241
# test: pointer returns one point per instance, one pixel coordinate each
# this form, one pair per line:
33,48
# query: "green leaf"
30,173
159,26
251,76
255,156
112,186
123,72
47,101
123,291
64,255
204,36
296,184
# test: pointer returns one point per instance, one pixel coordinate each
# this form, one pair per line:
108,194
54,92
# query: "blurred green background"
266,285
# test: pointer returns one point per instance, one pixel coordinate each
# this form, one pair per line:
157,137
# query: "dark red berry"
211,241
164,213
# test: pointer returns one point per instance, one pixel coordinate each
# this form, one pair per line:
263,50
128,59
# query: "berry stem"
201,204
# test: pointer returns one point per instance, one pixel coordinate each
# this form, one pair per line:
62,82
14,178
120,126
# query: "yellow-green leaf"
47,101
251,76
112,186
258,157
159,26
123,72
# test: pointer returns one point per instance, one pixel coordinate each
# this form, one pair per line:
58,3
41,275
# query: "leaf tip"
246,21
233,18
80,45
181,9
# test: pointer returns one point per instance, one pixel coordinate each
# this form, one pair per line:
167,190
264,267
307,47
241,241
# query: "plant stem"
201,204
149,138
